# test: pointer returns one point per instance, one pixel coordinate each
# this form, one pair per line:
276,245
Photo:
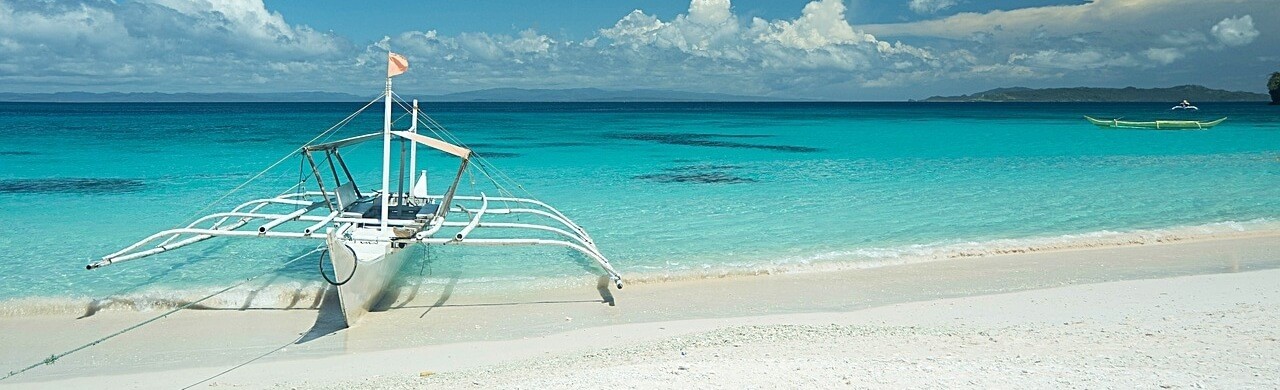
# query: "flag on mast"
396,64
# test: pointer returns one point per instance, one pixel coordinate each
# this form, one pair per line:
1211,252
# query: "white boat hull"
364,269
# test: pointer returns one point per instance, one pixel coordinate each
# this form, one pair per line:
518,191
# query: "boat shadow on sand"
389,299
121,297
329,318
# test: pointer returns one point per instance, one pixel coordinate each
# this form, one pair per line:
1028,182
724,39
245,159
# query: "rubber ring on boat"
320,264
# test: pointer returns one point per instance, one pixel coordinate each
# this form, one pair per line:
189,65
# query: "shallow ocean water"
668,190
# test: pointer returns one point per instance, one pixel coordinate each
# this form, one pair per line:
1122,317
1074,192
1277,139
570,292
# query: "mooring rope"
54,358
482,164
331,129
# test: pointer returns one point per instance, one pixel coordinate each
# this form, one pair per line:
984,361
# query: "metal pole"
386,153
400,191
448,197
319,180
347,172
328,156
413,149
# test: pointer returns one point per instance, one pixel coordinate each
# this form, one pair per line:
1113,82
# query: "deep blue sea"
668,190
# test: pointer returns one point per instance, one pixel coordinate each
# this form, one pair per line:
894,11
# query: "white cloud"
710,12
930,6
191,44
472,48
1183,38
1235,31
229,45
821,38
709,30
1164,56
1120,19
821,24
1081,60
248,22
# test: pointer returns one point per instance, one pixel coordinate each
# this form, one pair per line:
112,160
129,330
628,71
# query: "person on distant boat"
1185,103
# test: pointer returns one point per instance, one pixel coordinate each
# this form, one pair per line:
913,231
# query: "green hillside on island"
1194,93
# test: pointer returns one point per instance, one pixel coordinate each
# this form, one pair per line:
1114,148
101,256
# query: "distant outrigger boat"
1156,125
369,236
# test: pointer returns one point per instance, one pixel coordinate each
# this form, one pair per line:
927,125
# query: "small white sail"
420,186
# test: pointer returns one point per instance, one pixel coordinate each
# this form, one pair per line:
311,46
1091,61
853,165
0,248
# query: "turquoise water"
669,190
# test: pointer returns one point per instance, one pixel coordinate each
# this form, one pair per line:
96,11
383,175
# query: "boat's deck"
371,207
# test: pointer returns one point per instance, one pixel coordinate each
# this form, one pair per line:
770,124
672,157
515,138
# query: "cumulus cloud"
709,29
180,42
820,42
930,6
1235,31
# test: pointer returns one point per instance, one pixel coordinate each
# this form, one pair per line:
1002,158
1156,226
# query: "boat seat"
346,195
404,211
428,211
361,207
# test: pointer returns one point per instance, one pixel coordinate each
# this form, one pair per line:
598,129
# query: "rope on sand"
54,358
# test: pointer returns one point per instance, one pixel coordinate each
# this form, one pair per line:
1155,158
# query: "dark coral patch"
698,173
710,140
696,177
74,185
498,154
525,145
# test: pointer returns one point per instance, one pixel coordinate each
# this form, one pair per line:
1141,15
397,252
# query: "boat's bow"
364,263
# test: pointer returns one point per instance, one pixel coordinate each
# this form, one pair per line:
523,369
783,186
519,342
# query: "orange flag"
396,64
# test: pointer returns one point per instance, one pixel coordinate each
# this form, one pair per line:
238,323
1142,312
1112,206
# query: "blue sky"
817,49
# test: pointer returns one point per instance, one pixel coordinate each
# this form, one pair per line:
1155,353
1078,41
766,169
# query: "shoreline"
307,295
192,344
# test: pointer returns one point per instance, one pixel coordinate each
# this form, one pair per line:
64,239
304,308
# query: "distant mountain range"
590,95
484,95
1193,93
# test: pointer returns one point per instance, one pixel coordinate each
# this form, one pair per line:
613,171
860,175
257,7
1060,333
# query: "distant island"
484,95
590,95
1194,93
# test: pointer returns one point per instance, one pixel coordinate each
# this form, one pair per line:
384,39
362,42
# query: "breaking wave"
864,258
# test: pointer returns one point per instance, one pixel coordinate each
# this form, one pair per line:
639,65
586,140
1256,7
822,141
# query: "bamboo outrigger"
369,236
1155,125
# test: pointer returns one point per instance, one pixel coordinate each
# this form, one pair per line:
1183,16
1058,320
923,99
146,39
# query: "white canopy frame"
372,233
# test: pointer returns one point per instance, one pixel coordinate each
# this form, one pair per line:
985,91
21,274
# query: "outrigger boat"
1157,125
369,236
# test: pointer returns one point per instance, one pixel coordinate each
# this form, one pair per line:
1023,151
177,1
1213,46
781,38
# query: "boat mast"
386,153
413,149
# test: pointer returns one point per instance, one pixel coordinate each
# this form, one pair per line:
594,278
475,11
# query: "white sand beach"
1195,314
